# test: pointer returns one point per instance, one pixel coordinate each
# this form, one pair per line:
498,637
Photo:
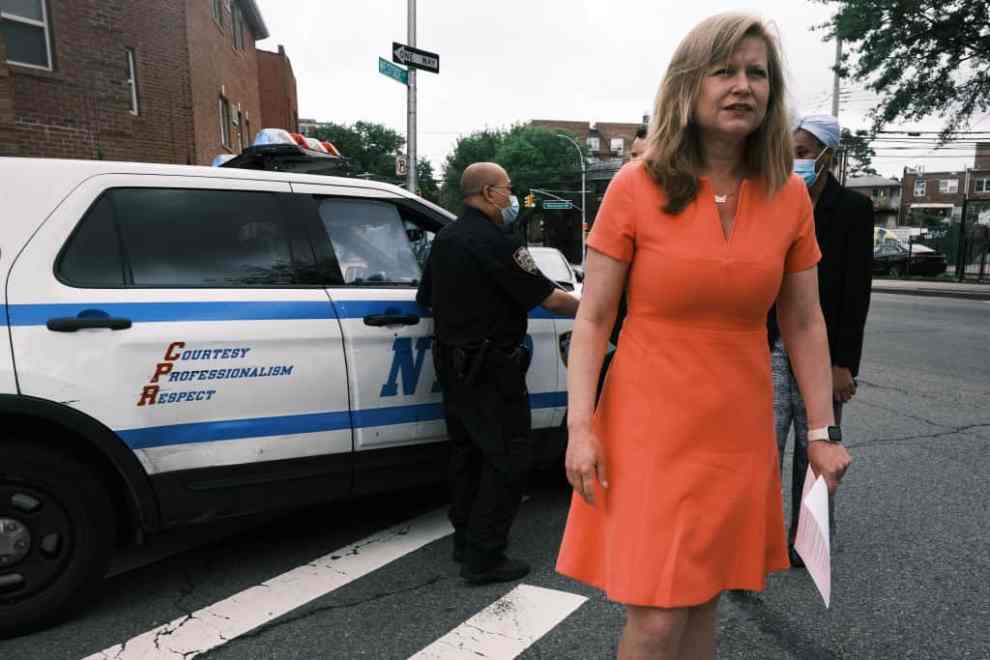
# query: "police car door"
379,247
176,316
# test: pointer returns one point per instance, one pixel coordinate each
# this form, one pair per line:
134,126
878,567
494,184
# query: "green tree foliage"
426,182
923,58
371,149
534,157
861,154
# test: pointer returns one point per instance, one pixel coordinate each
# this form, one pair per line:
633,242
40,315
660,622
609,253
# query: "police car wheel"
56,535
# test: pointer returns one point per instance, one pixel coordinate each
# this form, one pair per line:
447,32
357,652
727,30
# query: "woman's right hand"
585,462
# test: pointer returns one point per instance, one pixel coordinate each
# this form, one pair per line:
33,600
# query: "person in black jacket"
844,229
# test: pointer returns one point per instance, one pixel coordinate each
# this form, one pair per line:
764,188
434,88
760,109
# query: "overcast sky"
515,60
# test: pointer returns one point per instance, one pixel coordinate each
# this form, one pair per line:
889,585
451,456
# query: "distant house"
885,194
931,195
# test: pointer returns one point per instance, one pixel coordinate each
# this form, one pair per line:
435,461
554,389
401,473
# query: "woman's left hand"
830,460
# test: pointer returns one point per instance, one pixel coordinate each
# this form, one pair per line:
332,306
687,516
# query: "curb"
934,293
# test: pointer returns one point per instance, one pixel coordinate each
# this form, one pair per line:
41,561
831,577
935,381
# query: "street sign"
392,71
401,165
556,204
415,58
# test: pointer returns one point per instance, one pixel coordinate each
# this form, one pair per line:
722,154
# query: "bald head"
487,187
478,176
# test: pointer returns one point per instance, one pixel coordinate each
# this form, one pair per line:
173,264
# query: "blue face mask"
511,212
806,168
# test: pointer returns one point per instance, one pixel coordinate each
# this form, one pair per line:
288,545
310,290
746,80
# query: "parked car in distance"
556,267
895,260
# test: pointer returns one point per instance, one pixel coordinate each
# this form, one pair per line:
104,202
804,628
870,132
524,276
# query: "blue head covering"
824,127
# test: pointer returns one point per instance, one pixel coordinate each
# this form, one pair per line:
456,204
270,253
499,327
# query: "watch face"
834,434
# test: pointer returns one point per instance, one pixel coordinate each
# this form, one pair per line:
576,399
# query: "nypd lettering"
176,354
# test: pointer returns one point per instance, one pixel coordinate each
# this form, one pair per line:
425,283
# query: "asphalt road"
912,579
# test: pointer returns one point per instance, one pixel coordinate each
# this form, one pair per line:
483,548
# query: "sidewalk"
964,290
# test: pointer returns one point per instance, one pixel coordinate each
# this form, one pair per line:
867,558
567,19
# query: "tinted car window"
92,256
203,238
370,241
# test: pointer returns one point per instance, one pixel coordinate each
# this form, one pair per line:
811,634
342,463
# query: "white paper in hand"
811,541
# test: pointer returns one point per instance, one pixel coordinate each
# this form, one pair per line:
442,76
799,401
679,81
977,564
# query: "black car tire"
74,506
895,270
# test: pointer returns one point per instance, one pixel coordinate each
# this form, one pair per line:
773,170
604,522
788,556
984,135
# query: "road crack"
927,436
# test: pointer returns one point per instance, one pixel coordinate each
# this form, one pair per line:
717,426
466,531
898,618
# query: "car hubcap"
34,541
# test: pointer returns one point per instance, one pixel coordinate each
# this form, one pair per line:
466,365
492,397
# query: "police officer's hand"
585,462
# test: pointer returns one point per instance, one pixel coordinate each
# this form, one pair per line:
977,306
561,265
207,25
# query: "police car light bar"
277,149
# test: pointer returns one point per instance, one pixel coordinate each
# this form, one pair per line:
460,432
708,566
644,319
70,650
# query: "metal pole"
584,192
961,242
835,81
411,107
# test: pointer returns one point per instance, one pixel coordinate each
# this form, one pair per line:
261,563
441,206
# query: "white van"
185,344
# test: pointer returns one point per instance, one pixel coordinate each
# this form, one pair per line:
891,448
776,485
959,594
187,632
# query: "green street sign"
393,71
556,204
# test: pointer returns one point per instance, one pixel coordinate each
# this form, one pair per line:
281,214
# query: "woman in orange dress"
677,495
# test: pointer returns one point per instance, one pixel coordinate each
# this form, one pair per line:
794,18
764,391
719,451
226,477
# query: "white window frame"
224,108
920,188
235,122
617,145
216,11
43,24
982,185
594,144
132,81
948,186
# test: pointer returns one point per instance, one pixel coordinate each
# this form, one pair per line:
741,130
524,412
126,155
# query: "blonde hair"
674,156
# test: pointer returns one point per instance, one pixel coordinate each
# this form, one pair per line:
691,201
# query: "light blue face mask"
511,212
806,168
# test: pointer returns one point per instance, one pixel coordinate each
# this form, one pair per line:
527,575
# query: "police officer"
481,284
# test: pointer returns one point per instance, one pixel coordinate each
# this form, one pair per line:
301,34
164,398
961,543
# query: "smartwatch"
826,433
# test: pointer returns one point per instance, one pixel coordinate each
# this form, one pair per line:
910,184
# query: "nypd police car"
186,344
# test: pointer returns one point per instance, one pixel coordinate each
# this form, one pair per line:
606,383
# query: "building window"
24,29
247,133
594,144
948,186
132,81
216,8
617,146
238,27
920,189
224,122
983,185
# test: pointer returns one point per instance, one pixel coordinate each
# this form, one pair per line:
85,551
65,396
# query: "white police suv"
185,344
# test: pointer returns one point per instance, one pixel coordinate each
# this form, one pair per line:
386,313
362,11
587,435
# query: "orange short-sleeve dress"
686,417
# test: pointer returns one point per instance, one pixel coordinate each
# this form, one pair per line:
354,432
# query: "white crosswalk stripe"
223,621
505,628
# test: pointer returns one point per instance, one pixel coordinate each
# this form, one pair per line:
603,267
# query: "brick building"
277,86
926,195
172,81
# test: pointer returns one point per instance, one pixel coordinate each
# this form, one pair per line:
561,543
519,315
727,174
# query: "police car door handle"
379,320
73,323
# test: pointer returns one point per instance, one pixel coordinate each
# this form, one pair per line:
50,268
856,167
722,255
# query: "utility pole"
584,197
411,106
835,80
